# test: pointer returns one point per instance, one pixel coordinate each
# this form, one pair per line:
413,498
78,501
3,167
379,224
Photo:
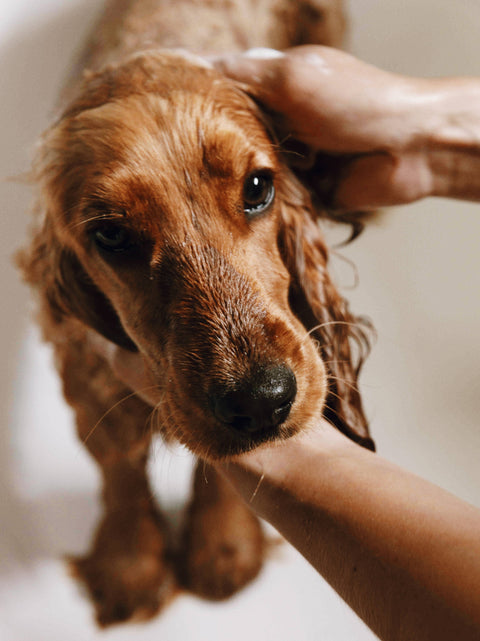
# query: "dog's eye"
258,193
113,238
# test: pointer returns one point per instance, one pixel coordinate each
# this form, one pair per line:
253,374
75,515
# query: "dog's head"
173,227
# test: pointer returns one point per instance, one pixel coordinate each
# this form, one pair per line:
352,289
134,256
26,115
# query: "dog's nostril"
263,401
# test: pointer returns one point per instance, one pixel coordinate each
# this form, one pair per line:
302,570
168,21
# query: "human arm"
395,139
403,553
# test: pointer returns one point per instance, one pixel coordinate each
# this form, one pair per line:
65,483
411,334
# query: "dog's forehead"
213,132
188,134
175,96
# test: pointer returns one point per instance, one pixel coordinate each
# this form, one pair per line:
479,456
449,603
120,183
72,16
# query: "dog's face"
175,218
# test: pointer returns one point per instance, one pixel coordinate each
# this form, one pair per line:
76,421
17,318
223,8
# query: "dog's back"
208,27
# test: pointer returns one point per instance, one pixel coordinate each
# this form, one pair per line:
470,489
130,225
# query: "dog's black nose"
262,402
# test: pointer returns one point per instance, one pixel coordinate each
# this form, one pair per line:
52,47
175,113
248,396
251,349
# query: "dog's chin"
227,443
247,444
232,444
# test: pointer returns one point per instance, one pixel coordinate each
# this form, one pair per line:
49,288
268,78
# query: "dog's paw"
127,574
223,550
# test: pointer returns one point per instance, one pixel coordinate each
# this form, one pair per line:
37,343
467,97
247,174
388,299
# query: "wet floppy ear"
67,289
341,338
81,298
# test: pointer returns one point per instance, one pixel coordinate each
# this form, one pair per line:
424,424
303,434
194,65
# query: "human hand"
374,125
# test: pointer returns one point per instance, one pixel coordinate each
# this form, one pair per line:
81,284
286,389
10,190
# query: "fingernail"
201,61
263,53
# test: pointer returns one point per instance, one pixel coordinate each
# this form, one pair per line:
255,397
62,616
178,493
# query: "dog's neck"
126,27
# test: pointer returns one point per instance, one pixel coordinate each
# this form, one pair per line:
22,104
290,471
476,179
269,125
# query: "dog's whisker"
255,491
204,472
100,217
327,420
331,323
337,396
153,417
344,381
113,407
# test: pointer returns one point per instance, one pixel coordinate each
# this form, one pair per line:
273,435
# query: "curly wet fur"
161,144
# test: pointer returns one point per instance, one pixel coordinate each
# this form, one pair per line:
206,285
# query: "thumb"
253,66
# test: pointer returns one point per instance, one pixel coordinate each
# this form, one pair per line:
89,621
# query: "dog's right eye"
113,238
258,193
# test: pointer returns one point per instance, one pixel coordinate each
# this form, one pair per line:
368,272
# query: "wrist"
268,477
445,134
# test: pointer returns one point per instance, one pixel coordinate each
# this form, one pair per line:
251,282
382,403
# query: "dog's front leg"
127,571
223,543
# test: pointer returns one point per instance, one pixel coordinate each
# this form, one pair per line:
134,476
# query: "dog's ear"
342,338
67,289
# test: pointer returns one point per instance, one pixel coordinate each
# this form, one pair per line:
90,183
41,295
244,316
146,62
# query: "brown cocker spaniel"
169,221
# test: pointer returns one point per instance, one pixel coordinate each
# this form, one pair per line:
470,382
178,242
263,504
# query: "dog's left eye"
113,238
258,193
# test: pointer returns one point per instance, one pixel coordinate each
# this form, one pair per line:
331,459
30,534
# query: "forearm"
432,136
404,554
426,142
449,110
